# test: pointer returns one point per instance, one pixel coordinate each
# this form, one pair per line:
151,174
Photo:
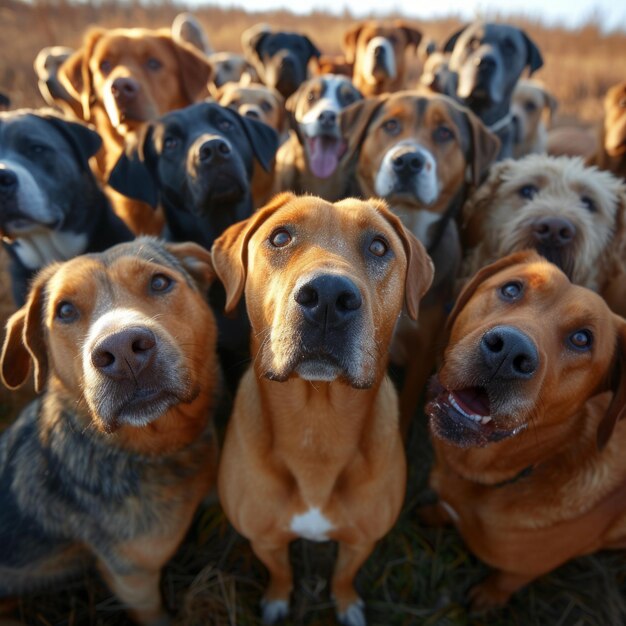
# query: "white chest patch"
45,246
311,525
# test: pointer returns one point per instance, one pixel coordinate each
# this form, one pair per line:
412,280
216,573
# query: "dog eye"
474,43
393,40
170,143
225,125
530,106
512,290
154,64
266,106
508,46
226,66
160,283
528,191
588,203
622,103
66,312
392,126
379,247
280,238
442,134
310,97
105,66
36,149
581,340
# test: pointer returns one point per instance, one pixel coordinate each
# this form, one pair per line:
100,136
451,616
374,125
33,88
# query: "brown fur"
107,55
556,488
403,37
611,153
156,465
498,221
293,441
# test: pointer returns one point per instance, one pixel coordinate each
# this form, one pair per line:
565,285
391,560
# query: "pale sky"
571,13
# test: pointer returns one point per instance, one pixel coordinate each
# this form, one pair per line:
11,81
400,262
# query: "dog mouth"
15,225
223,188
465,417
325,152
559,256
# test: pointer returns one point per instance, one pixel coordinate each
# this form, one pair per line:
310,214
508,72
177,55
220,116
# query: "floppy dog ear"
551,104
473,211
251,40
196,260
617,408
230,250
133,174
291,104
484,147
355,119
263,139
194,68
24,340
534,60
75,75
413,36
420,270
349,41
524,256
313,49
449,45
85,142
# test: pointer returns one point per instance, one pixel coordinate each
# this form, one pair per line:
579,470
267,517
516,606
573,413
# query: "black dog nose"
509,353
554,231
327,119
287,61
379,52
253,114
329,301
125,89
408,163
214,150
8,183
125,354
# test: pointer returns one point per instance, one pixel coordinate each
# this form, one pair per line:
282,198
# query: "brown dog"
531,388
611,154
313,447
572,214
124,78
111,464
421,153
532,107
377,50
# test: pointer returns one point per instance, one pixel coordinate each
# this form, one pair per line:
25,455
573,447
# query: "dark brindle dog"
113,460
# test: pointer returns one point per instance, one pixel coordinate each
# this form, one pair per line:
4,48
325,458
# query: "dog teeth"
479,419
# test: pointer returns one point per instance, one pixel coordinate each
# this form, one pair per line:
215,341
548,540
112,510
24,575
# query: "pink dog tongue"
324,156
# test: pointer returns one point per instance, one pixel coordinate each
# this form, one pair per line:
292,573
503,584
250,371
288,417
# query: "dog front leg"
139,590
275,603
350,607
496,590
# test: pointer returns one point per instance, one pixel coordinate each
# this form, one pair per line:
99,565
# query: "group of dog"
518,264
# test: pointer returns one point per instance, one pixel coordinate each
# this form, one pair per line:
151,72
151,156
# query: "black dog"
197,163
280,59
486,62
51,207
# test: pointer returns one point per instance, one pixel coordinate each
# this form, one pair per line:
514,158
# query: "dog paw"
354,615
274,610
487,596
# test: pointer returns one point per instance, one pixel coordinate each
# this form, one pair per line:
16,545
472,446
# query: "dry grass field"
417,576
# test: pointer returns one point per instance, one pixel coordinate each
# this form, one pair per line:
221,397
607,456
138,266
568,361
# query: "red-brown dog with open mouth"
529,452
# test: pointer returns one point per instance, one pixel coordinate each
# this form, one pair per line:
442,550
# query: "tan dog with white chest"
313,448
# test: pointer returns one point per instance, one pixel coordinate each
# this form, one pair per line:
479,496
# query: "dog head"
489,58
377,49
134,75
108,332
45,180
280,58
573,215
255,101
229,67
615,120
527,350
199,159
314,109
324,285
418,150
531,104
